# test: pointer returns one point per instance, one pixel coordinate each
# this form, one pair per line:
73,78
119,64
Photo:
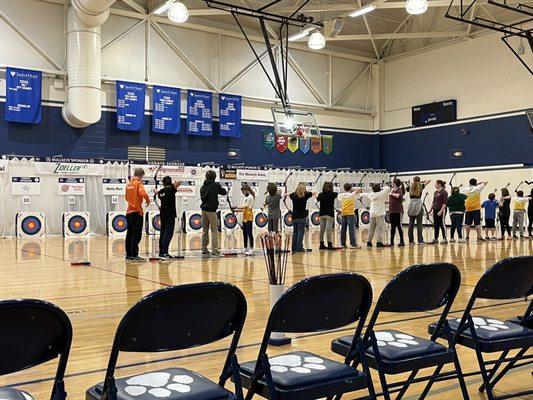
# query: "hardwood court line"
225,349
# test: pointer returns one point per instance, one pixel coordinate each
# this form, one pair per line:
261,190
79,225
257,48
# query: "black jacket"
209,193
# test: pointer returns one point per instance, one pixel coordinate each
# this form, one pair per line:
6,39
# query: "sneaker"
433,242
379,244
128,258
206,252
401,244
412,243
163,256
322,246
462,240
493,238
368,244
215,253
480,239
138,259
443,241
467,239
451,241
248,253
330,246
422,243
356,246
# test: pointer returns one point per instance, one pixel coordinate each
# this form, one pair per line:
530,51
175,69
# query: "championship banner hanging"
130,105
26,185
269,139
327,143
199,113
23,95
229,112
166,105
73,169
305,145
293,144
281,143
71,186
113,186
316,145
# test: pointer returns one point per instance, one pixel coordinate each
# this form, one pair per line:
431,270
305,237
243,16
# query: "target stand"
117,224
228,225
30,224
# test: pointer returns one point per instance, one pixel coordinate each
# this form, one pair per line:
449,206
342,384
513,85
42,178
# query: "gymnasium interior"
280,199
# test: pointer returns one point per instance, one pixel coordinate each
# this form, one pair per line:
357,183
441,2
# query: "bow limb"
156,197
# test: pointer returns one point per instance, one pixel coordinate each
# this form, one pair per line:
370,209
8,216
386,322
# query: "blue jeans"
348,222
167,231
298,230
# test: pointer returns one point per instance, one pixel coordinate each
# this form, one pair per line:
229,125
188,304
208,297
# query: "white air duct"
84,65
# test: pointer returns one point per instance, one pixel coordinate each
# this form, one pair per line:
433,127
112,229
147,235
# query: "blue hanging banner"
199,113
23,95
166,108
229,111
130,105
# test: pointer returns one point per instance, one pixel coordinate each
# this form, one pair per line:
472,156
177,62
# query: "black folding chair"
176,318
33,332
511,278
314,304
420,288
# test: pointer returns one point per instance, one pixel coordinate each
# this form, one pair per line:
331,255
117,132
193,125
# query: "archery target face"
119,223
77,224
365,217
260,220
195,221
314,219
287,219
156,222
230,221
31,225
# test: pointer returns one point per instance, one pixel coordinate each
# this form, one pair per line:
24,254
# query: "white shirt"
377,201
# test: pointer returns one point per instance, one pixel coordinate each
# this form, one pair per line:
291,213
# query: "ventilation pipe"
84,64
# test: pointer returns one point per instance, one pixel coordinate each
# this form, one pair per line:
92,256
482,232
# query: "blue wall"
505,140
102,140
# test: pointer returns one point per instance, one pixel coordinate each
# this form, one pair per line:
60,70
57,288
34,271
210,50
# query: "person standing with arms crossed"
135,194
209,193
473,207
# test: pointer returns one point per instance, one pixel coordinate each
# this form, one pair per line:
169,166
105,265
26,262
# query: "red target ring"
77,224
119,223
287,219
230,221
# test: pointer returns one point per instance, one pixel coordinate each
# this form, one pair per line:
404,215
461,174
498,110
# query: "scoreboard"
434,113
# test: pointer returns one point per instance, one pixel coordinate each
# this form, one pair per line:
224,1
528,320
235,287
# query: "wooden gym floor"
96,298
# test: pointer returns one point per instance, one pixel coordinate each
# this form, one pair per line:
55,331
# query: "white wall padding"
84,62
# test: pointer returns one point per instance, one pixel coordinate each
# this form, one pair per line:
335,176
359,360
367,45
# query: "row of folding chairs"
187,316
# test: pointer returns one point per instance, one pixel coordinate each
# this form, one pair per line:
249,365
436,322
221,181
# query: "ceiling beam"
398,35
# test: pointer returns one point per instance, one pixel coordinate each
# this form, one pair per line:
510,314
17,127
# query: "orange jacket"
135,193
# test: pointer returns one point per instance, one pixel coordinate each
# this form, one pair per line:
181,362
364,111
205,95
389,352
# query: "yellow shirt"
473,197
347,200
520,203
247,213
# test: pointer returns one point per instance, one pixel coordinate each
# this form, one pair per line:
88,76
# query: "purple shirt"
439,198
395,203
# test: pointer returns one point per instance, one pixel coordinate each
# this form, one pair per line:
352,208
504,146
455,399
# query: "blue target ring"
315,218
156,222
365,217
287,219
261,220
31,225
119,223
195,221
77,224
230,221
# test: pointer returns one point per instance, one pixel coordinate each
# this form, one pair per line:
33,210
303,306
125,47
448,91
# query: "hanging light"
178,12
416,7
316,41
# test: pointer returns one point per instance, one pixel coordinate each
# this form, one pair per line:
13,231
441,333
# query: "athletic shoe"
467,239
434,242
451,241
493,238
330,246
138,259
215,253
480,239
128,258
368,244
422,243
163,256
206,252
379,244
355,247
443,241
248,253
401,244
462,240
322,246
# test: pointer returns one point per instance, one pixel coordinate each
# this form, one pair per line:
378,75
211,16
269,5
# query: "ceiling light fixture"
316,41
163,8
178,12
363,10
300,35
416,7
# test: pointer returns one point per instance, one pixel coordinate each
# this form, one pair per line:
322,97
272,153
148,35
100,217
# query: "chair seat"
171,383
9,393
489,329
300,368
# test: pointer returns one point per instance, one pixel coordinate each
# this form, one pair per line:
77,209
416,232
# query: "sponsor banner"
62,168
252,175
179,172
187,189
23,95
199,113
229,111
3,166
293,144
113,186
25,185
71,186
305,145
281,143
316,145
130,105
228,173
327,143
269,139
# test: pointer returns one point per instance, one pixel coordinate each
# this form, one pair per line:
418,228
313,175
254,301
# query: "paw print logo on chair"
395,339
296,363
158,384
488,324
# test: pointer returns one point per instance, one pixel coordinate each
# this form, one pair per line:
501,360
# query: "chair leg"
384,386
401,393
505,369
481,389
460,377
249,394
484,374
430,382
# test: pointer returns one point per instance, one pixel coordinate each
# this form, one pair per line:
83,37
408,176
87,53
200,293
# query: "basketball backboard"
292,122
